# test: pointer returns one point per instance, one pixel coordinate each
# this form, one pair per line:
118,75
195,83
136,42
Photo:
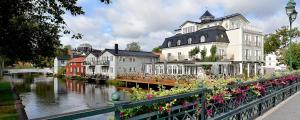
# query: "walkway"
33,70
287,110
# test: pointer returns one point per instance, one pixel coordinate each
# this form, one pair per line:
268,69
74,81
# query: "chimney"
116,48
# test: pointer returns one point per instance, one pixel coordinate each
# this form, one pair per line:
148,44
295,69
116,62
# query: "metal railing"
243,104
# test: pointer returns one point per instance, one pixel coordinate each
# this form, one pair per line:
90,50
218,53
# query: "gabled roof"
131,53
211,34
78,59
96,53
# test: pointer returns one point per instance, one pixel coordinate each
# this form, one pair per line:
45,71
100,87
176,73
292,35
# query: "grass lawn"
7,104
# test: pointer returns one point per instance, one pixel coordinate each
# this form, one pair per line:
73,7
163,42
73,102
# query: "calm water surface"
44,96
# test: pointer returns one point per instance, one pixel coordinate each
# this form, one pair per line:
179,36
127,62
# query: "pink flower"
168,110
149,96
209,112
161,108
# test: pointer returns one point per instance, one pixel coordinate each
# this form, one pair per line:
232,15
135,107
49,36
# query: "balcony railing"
99,62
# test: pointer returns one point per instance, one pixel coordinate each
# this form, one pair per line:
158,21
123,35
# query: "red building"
75,67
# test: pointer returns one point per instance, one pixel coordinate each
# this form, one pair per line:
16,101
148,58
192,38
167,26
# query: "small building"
92,62
114,61
272,64
60,62
75,67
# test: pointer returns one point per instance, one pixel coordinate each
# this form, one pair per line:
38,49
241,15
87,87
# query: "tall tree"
134,46
213,53
30,29
292,54
280,39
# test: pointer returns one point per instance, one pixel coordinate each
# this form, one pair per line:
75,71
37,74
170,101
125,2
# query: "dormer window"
178,42
222,36
202,39
190,41
169,44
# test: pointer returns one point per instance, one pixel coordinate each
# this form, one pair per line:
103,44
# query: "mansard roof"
211,34
214,20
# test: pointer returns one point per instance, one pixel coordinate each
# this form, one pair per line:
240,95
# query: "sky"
149,22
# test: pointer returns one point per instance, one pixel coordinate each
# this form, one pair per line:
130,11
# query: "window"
123,59
130,69
161,69
169,44
178,42
269,58
62,62
169,70
247,54
179,69
190,41
202,39
111,58
111,69
222,36
179,54
133,69
133,59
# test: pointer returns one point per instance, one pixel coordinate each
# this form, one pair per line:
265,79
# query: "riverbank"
7,103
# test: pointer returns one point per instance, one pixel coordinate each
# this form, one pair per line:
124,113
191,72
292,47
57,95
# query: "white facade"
59,63
273,63
111,65
244,50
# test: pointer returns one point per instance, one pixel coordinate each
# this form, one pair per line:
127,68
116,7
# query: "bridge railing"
246,101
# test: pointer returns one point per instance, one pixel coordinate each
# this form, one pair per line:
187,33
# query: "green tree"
203,54
134,46
30,29
292,54
280,39
194,51
156,49
213,53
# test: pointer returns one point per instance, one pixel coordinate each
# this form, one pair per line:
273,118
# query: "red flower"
168,110
209,112
121,114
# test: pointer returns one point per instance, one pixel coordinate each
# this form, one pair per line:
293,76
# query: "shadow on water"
44,96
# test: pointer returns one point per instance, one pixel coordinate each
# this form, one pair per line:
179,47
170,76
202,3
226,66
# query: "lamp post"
292,14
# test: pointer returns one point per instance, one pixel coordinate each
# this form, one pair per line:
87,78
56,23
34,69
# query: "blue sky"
150,21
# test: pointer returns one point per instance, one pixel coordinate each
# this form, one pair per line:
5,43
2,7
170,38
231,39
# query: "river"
45,96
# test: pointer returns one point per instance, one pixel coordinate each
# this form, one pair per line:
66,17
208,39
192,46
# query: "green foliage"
213,54
156,49
203,54
292,54
61,71
280,39
7,106
115,82
31,29
134,46
194,51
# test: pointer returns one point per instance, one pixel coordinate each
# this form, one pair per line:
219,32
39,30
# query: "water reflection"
44,96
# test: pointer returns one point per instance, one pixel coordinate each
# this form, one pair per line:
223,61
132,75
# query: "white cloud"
149,22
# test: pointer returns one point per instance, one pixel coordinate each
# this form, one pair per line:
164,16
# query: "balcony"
103,62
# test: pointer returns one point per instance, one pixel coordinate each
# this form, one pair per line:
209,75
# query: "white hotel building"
239,45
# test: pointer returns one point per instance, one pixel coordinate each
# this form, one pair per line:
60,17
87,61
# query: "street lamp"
292,14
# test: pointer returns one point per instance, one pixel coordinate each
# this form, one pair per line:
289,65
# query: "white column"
248,69
225,69
241,68
255,69
261,69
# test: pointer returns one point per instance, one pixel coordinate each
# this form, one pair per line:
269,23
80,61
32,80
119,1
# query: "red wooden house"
75,67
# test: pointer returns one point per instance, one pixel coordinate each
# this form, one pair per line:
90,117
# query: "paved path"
287,110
